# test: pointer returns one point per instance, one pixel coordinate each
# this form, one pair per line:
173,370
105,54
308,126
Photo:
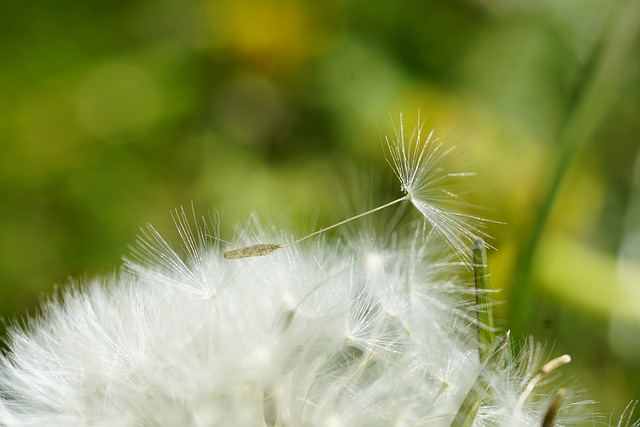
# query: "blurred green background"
113,113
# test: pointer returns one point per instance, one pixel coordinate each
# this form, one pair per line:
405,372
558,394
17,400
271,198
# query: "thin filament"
349,220
262,249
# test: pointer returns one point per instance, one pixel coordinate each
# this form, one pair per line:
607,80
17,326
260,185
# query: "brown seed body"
260,249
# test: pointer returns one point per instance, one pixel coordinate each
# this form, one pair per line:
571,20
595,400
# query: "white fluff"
371,331
313,335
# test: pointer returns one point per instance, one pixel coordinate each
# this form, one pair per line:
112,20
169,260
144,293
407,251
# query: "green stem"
484,307
469,408
595,93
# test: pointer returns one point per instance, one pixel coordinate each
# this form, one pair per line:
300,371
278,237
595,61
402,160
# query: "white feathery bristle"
508,384
418,161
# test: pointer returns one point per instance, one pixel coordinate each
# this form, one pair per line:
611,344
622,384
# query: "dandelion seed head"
378,328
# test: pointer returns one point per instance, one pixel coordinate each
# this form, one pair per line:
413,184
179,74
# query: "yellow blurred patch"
586,277
271,35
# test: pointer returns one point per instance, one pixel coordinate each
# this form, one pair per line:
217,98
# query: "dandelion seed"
550,417
262,249
419,165
546,369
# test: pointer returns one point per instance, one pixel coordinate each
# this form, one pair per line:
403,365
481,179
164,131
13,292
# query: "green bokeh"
114,113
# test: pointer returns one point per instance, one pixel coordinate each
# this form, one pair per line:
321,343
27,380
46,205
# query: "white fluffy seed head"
314,334
380,331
